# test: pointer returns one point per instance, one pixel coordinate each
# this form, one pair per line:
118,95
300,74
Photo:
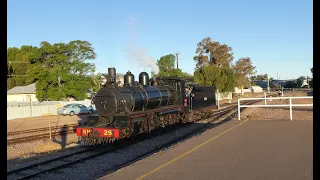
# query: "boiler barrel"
151,97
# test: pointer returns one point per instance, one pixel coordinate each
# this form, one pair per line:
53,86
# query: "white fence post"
265,98
238,109
290,108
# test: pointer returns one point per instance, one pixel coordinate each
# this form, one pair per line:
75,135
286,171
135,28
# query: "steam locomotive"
143,107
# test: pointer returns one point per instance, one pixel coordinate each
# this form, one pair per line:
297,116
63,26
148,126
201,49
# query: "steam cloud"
140,55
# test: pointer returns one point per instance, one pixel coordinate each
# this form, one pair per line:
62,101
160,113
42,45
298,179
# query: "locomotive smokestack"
112,75
144,79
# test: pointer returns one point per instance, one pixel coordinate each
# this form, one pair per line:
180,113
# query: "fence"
274,105
34,109
290,89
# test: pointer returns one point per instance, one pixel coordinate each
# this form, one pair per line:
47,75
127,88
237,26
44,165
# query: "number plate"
85,132
107,133
101,132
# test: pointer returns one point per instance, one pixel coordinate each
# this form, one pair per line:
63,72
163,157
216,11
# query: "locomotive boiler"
115,100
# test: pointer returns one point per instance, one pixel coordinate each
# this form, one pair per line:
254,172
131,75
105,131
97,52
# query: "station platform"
241,150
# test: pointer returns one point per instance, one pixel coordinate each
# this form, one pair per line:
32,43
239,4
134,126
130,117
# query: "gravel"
19,164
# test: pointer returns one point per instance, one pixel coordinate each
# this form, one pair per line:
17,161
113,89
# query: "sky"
131,35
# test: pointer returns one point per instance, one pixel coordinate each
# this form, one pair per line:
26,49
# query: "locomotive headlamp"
103,80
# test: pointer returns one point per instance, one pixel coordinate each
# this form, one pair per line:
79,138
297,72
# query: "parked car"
73,109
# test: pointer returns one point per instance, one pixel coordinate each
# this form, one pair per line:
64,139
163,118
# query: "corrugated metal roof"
30,89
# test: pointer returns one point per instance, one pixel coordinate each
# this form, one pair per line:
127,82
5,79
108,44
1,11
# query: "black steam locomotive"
144,106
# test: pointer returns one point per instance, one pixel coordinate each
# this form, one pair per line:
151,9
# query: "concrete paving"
241,150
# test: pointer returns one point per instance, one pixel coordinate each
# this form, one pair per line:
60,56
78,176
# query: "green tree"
300,81
61,70
166,67
260,77
213,53
223,78
18,60
243,68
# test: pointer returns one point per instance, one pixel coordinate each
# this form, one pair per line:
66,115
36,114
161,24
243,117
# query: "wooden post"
49,122
218,95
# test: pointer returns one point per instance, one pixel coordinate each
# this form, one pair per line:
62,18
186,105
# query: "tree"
18,61
243,68
311,70
213,53
166,67
223,78
60,70
260,77
300,81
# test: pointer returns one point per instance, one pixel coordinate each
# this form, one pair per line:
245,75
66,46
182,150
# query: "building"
22,93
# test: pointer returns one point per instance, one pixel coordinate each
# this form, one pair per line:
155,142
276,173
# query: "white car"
72,109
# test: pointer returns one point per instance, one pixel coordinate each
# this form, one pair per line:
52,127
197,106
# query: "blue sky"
275,34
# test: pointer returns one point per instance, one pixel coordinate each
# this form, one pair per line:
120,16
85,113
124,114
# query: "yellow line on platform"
186,153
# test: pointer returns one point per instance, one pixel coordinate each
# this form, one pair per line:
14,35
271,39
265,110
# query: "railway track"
37,137
55,128
38,134
58,163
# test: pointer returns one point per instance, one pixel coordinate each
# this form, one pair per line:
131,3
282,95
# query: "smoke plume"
139,54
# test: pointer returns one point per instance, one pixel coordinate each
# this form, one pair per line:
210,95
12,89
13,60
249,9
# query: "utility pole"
177,54
268,88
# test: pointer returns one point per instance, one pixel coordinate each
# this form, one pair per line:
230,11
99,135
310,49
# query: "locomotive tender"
140,108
